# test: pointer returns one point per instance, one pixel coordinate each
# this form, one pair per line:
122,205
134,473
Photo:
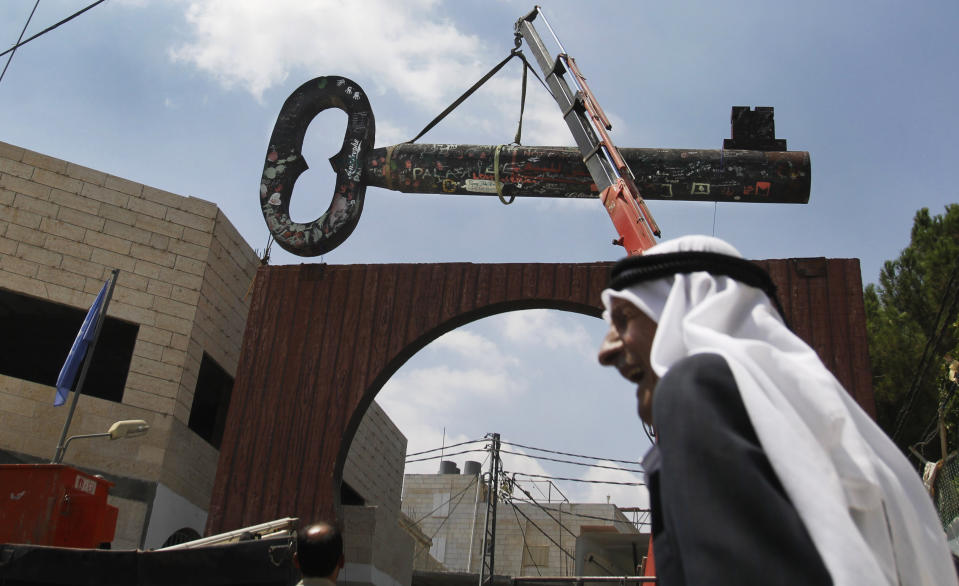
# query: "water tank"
472,467
448,467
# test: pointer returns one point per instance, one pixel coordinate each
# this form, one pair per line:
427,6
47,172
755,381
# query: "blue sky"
183,96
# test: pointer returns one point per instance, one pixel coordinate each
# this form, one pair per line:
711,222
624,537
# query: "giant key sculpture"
753,166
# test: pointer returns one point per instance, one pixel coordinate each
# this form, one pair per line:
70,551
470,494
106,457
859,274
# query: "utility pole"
489,537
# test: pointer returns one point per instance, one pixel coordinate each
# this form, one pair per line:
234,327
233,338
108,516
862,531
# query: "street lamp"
119,430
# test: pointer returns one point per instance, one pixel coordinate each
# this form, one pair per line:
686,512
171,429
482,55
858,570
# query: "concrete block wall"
376,550
513,531
184,275
375,463
423,492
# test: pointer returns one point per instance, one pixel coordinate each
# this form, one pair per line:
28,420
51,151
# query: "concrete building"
532,539
167,353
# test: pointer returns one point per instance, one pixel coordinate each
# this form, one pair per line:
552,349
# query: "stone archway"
321,340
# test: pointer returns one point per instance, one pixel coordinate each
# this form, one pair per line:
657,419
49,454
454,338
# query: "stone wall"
375,463
184,275
522,545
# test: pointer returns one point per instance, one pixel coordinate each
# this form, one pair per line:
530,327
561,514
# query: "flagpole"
58,457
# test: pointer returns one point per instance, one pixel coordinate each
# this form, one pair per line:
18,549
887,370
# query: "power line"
50,28
533,523
25,25
560,523
446,447
584,515
445,455
469,485
443,522
569,454
581,480
526,545
572,462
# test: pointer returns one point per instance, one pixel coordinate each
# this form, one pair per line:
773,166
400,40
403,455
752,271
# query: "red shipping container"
54,504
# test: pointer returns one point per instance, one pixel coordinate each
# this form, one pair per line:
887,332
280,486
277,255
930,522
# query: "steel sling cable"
446,518
533,523
459,494
445,455
476,441
525,544
572,462
514,444
581,479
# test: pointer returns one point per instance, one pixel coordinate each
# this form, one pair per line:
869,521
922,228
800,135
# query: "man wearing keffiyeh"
765,470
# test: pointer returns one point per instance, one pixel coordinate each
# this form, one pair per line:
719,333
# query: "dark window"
211,400
348,496
36,336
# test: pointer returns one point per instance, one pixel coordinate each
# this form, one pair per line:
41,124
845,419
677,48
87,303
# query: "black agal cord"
633,270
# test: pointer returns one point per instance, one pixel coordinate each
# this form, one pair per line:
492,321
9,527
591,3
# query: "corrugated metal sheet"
321,340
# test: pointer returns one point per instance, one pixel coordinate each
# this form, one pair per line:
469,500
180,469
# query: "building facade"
167,352
555,538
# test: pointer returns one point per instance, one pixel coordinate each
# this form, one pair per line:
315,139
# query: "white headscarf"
862,503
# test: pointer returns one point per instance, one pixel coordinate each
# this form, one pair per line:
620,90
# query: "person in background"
319,554
764,470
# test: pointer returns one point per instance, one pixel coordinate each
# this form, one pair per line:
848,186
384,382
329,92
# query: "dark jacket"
719,513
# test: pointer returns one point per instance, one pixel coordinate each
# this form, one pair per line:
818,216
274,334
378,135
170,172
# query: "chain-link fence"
946,495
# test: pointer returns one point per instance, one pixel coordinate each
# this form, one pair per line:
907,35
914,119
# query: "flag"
79,349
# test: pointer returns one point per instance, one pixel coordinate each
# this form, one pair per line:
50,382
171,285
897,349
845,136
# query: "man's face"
627,347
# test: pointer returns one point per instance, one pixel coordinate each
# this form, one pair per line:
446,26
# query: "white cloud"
443,386
620,495
542,326
474,348
256,45
426,436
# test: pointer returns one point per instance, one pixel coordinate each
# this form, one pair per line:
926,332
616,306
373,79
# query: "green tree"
911,321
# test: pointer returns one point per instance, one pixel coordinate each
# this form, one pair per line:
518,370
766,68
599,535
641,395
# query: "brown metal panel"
814,272
514,280
302,433
252,338
383,314
497,288
781,274
484,277
453,292
469,289
598,277
343,397
256,392
413,324
434,283
530,278
861,371
838,326
562,282
317,484
546,282
579,283
364,355
368,329
801,322
402,307
288,364
346,329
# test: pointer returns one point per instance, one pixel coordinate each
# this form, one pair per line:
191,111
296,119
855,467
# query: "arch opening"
530,375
